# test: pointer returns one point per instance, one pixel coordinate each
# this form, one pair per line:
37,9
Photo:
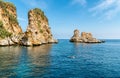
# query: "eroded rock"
38,31
84,37
9,25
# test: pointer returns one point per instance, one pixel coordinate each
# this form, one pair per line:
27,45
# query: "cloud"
35,3
81,2
22,19
107,8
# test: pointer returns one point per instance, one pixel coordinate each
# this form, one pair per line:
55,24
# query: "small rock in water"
84,37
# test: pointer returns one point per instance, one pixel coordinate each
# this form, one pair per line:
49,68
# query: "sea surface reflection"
62,60
20,62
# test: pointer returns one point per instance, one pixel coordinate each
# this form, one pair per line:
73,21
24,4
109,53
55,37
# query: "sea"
62,60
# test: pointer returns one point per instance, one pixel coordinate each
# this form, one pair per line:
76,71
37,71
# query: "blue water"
62,60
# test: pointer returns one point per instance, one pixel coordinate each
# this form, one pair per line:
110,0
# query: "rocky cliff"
84,37
9,25
38,31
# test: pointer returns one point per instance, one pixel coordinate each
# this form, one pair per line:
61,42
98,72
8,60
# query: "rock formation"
84,38
9,25
38,30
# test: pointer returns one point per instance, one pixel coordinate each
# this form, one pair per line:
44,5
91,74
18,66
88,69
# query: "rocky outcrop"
38,31
84,37
9,25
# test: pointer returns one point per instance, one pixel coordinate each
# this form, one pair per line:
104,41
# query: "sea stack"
9,26
38,31
84,37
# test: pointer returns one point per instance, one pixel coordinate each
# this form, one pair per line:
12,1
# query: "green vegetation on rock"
1,24
4,6
11,5
39,23
12,19
40,12
41,31
4,33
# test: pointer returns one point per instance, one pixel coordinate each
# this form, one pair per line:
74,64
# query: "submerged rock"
84,37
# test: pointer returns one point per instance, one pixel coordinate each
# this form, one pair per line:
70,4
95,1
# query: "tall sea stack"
38,31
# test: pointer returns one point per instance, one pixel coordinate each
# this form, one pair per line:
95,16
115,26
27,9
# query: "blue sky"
100,17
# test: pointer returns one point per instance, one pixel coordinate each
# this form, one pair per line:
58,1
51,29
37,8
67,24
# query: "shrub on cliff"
3,32
4,5
1,24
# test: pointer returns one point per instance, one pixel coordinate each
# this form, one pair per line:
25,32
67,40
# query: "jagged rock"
38,31
8,23
17,39
6,41
84,38
76,36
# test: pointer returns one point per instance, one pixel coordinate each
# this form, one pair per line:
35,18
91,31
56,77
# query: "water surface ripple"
62,60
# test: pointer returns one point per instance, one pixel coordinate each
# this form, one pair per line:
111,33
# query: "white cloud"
81,2
107,8
22,19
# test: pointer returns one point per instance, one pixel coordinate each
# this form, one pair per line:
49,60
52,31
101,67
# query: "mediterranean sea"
62,60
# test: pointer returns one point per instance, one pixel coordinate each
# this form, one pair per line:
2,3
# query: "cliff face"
38,31
8,18
84,37
9,25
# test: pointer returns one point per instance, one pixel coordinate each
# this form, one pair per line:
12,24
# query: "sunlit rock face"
38,31
84,37
9,25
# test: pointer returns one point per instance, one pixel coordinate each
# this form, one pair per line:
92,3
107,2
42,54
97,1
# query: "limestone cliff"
9,25
84,37
38,31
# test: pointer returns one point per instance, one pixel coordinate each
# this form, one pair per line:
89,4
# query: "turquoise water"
62,60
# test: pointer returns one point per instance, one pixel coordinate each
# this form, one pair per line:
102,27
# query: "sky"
100,17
